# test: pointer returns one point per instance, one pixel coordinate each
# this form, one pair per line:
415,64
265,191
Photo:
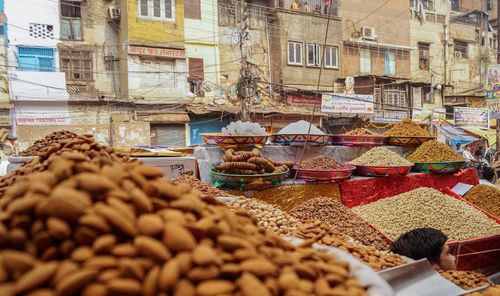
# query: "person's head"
427,243
458,146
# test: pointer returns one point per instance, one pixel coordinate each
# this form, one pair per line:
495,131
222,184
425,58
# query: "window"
157,9
256,18
109,63
196,76
41,31
489,4
157,74
36,59
77,64
227,15
313,55
461,49
390,63
365,64
71,20
430,17
294,53
423,56
192,9
455,5
428,4
441,19
331,57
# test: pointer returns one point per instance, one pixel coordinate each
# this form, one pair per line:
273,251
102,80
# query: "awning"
455,135
489,134
164,117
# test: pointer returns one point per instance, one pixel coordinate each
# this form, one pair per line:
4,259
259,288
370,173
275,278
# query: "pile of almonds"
342,219
199,185
267,216
45,144
96,224
466,280
321,233
491,291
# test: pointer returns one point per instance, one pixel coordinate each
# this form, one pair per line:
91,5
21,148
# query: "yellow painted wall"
156,32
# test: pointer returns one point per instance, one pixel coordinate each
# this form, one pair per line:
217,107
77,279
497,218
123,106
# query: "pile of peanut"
322,162
199,185
485,197
380,156
341,218
466,280
434,151
361,132
96,224
491,291
427,207
407,128
267,216
45,144
321,233
250,163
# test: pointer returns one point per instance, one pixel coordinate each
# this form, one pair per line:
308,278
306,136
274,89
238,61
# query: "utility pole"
498,63
242,90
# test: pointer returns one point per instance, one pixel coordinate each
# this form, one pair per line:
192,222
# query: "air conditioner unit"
114,13
368,33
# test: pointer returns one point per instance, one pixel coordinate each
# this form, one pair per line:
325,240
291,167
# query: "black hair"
489,174
421,243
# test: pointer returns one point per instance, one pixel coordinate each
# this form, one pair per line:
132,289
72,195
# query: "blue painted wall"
207,125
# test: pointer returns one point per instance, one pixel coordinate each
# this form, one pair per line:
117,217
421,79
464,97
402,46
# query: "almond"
178,238
149,172
141,200
95,289
18,261
58,228
250,285
104,243
124,250
122,223
204,255
101,262
41,292
95,221
150,285
24,204
94,183
131,268
124,286
215,287
109,274
122,207
184,288
169,275
75,281
65,267
259,266
35,277
153,247
150,224
82,253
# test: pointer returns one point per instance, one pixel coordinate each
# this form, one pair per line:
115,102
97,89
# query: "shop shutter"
196,69
192,9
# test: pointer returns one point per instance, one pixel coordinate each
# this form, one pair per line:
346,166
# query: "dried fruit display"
434,151
485,197
199,185
380,156
319,232
361,132
267,216
250,163
97,224
491,291
466,280
342,219
407,128
427,207
46,144
321,163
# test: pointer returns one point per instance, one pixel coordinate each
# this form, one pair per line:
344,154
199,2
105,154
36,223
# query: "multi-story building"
5,106
376,53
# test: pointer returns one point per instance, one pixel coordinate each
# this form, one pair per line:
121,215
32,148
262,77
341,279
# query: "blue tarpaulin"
454,135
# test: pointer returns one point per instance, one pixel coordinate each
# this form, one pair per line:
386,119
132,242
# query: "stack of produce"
407,128
427,207
240,128
300,127
341,218
47,143
250,163
380,156
321,233
99,225
434,151
466,280
199,185
491,291
322,163
485,197
361,132
267,216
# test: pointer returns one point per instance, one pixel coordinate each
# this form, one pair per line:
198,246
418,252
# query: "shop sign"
476,103
308,102
389,116
360,104
494,108
429,111
42,120
4,117
493,82
157,52
471,117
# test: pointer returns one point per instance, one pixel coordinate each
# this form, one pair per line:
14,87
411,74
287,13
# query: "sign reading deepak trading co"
157,52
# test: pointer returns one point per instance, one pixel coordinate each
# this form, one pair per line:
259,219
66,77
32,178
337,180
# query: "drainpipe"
269,60
446,39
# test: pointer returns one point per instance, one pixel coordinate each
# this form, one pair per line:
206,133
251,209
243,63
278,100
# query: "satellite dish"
3,18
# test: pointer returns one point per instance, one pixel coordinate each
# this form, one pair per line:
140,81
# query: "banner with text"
389,116
429,111
471,117
494,107
361,104
493,82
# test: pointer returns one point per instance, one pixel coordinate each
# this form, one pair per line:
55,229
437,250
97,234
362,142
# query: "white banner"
361,104
25,119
